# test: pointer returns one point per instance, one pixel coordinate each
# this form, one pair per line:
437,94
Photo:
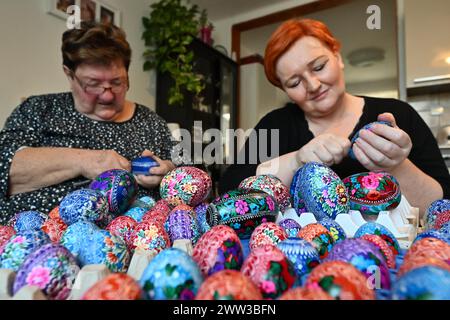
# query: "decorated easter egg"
366,257
366,127
228,285
145,203
334,228
185,185
296,197
291,227
310,292
428,247
200,212
384,248
171,275
142,165
27,220
341,280
433,234
424,283
270,270
122,227
116,286
84,204
267,233
379,230
242,210
218,249
182,224
150,237
54,228
119,188
52,268
136,213
319,236
6,232
418,261
74,237
54,213
19,246
271,185
372,192
301,253
437,214
322,191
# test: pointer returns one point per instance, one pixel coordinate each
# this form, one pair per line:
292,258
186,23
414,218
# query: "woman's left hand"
153,181
382,148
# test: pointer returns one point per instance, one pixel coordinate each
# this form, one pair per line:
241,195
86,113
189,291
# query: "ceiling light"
365,57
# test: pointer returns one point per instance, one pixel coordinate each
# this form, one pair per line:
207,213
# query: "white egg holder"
86,277
402,221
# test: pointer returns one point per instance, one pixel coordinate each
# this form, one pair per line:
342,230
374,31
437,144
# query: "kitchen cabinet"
427,44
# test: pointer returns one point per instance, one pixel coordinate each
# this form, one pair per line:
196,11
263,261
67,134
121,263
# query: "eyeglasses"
118,86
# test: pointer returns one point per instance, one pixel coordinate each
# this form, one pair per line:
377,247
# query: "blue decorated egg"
145,202
366,257
136,213
290,226
424,283
28,220
296,197
242,210
19,246
142,165
366,127
119,188
182,224
334,228
84,204
301,253
445,229
322,190
76,235
372,192
379,230
200,212
52,268
433,234
437,214
171,275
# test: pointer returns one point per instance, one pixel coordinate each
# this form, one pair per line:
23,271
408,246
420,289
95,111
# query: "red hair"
286,35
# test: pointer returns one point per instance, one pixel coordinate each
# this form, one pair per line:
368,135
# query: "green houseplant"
169,30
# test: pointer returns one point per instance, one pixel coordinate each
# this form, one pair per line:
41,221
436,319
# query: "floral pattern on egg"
6,232
149,236
54,228
123,227
267,233
334,228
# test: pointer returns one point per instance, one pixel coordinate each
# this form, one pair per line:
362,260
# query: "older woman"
53,144
302,58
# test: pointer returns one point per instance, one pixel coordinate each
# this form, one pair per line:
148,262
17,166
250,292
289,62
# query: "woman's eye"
320,67
293,84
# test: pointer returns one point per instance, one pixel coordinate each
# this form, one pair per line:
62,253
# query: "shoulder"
147,114
387,105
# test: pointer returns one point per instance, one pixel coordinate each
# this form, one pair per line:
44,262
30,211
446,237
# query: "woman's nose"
312,83
107,95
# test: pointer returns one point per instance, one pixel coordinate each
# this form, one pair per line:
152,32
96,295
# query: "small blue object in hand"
356,136
142,165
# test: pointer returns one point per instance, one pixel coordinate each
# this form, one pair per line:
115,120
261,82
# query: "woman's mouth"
320,96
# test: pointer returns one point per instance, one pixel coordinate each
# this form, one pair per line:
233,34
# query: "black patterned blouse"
52,121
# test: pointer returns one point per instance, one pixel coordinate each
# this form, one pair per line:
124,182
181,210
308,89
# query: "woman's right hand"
327,148
95,162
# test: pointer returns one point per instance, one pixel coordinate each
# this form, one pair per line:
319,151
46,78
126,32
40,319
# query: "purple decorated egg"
182,224
119,188
27,220
52,268
437,214
366,127
271,185
200,211
291,227
372,192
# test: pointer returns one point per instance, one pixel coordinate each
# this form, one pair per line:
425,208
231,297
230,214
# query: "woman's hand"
153,181
383,148
327,148
94,162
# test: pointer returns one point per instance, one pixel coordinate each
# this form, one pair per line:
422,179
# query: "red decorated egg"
372,192
116,286
54,228
270,270
6,232
429,247
149,237
267,233
228,285
419,261
54,213
319,236
123,227
310,292
185,185
218,249
384,248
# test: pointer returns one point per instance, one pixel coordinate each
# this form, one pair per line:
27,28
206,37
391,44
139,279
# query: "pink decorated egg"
54,228
267,233
228,285
116,286
218,249
122,227
372,192
185,185
319,236
270,270
149,237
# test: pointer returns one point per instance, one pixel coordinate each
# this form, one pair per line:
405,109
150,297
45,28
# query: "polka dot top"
52,121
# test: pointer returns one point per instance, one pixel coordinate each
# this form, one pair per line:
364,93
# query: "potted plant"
206,28
169,30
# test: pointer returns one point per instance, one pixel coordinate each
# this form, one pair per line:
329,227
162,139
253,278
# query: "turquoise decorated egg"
122,227
27,220
84,204
372,192
218,249
301,253
145,202
271,185
334,228
319,237
6,232
136,213
267,233
185,185
171,275
52,268
437,214
366,127
424,283
74,237
291,227
242,210
119,188
20,246
321,190
379,230
150,236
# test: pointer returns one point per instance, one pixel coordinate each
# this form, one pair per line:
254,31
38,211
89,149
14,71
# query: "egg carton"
86,277
402,221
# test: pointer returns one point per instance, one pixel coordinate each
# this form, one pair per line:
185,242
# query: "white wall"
30,58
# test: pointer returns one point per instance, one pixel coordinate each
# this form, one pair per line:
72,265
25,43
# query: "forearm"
283,167
36,168
419,188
